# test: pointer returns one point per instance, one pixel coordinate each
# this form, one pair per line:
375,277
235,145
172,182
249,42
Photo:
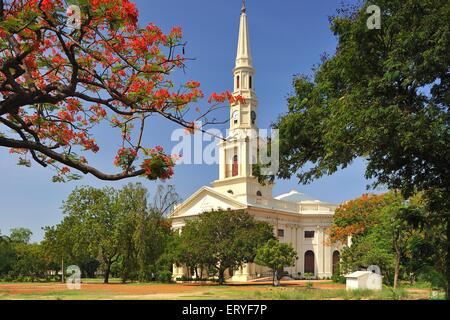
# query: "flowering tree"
59,82
354,217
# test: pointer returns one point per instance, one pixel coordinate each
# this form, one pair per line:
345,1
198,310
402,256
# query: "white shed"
364,280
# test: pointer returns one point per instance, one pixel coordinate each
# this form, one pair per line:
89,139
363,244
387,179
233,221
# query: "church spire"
244,56
243,114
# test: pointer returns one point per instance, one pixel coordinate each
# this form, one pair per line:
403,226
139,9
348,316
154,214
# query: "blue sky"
287,38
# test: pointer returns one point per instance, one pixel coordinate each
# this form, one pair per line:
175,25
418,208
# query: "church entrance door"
309,262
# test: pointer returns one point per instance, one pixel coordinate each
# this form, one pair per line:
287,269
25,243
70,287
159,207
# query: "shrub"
308,276
184,278
435,279
338,278
165,276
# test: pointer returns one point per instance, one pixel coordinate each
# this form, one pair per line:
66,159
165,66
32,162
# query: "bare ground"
154,291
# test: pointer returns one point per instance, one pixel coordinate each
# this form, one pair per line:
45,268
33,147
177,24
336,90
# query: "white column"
244,161
297,269
328,252
292,242
321,253
222,164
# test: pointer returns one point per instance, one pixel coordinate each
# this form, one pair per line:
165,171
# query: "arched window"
259,194
230,191
250,84
238,82
336,261
309,262
235,168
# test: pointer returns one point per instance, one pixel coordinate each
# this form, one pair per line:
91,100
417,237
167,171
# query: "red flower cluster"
176,32
125,158
158,164
124,68
220,98
119,10
47,5
192,84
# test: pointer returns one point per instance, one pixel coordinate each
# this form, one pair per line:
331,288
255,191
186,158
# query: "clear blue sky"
287,38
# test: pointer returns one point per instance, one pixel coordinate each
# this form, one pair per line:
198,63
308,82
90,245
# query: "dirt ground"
147,291
24,288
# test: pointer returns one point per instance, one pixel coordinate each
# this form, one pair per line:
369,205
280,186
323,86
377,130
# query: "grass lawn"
94,289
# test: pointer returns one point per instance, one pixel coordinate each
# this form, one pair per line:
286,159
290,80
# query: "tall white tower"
243,115
239,152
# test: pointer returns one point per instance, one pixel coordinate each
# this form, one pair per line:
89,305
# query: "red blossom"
109,71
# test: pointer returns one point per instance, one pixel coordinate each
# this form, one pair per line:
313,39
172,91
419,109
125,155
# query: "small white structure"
364,280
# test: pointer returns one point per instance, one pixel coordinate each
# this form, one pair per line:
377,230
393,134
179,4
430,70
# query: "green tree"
385,230
133,201
30,261
151,236
20,235
398,221
145,231
276,256
222,239
7,255
111,229
64,246
19,258
383,96
192,249
96,214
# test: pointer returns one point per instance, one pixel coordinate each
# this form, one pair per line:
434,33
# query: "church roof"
206,199
225,201
295,196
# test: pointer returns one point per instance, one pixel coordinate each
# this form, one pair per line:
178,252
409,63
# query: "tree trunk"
221,276
276,281
447,293
62,270
398,255
107,272
396,271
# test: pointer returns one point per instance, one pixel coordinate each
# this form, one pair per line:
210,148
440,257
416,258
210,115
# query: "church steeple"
238,153
243,115
244,55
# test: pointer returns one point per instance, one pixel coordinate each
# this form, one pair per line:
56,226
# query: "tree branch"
86,169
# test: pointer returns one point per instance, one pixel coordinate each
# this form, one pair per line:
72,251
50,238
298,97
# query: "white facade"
296,218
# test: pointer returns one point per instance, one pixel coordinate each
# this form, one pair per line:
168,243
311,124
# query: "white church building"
296,218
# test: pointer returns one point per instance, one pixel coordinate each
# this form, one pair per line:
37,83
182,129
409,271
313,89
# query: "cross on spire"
243,7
